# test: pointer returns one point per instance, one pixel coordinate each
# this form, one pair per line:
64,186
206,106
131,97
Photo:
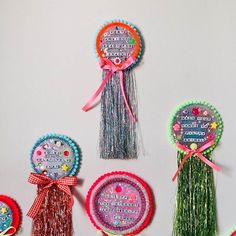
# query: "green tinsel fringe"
196,201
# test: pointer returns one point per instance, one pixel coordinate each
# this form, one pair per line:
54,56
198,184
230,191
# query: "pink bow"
198,153
106,64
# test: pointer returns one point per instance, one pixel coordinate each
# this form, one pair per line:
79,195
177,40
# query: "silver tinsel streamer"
118,132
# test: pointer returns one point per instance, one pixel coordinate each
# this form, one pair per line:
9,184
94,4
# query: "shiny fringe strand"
118,132
196,200
54,218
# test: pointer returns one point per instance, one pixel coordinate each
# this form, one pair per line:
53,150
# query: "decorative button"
193,146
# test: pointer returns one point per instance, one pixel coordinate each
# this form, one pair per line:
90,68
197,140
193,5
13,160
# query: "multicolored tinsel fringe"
54,218
196,201
118,132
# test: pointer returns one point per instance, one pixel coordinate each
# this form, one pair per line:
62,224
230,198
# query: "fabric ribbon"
110,234
4,233
106,64
62,183
197,153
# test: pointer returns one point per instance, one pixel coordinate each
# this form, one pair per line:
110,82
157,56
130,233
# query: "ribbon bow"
62,183
106,64
198,153
4,233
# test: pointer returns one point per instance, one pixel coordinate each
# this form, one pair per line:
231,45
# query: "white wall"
48,71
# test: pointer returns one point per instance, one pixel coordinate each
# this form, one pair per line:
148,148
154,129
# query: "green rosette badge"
195,128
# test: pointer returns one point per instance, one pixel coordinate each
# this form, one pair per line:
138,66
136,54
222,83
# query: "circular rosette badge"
119,203
232,232
55,156
10,216
196,125
119,42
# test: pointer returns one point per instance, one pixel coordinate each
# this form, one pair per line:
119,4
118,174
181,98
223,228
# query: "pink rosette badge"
120,203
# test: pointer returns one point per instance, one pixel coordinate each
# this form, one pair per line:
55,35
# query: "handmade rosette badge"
195,129
119,48
232,232
55,161
10,216
120,203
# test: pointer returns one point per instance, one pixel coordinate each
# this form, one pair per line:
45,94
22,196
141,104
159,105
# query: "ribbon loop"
4,233
110,234
197,153
106,64
62,183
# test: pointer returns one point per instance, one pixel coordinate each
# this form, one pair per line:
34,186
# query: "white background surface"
48,71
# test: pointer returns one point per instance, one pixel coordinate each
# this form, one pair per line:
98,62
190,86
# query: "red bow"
198,153
62,183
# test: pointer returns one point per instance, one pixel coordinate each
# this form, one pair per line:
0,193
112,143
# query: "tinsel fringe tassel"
118,132
54,218
196,200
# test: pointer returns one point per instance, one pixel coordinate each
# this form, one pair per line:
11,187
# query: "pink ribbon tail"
89,104
124,95
108,65
198,153
209,163
181,165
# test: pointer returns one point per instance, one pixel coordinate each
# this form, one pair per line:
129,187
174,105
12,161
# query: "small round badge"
55,156
232,232
195,124
10,215
120,203
118,41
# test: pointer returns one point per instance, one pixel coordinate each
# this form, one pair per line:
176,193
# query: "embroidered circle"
10,215
55,156
119,203
118,41
195,124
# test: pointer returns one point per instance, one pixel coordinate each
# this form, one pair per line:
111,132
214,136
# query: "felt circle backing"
10,214
55,156
194,124
119,203
117,41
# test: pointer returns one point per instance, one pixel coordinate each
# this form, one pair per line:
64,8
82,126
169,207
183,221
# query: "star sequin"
64,167
214,125
4,210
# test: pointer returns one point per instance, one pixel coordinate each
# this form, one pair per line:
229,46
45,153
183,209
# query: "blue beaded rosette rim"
75,148
202,103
